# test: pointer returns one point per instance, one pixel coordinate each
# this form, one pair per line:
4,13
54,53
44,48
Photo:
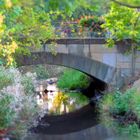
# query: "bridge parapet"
96,49
91,57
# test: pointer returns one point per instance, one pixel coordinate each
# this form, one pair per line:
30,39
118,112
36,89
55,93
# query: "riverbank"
120,110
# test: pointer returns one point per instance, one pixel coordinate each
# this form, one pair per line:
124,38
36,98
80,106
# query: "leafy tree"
23,25
122,23
77,8
66,6
128,3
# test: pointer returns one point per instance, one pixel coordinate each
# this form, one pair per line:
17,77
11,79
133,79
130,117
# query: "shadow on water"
82,124
78,120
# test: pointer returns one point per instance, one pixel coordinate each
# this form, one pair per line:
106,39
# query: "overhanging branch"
126,4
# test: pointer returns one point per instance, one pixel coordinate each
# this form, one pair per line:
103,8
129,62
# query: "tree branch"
126,4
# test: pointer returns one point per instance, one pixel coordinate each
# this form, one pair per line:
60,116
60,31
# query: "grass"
73,79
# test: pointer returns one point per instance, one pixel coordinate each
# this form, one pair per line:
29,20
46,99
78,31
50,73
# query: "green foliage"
23,25
106,103
129,3
88,21
135,104
132,130
122,23
17,107
68,7
41,72
5,78
27,25
93,23
119,104
79,98
7,114
76,8
122,101
72,79
28,85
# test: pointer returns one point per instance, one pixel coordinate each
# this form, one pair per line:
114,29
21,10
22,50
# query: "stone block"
124,65
95,68
102,49
102,71
110,75
76,49
109,59
97,56
62,49
87,66
124,58
137,65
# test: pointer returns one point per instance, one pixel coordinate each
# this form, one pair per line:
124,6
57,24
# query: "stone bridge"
90,56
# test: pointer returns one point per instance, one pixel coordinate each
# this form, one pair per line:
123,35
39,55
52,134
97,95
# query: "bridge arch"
89,66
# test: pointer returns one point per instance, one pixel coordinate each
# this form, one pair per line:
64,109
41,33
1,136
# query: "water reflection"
57,102
69,118
78,120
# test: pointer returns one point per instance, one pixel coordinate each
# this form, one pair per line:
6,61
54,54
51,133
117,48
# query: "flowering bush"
18,108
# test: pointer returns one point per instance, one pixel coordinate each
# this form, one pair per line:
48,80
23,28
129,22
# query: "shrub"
6,78
41,72
72,79
122,111
7,113
122,101
135,104
18,107
27,83
118,102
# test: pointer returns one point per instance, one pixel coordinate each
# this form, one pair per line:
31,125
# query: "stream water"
75,119
98,132
81,125
69,116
